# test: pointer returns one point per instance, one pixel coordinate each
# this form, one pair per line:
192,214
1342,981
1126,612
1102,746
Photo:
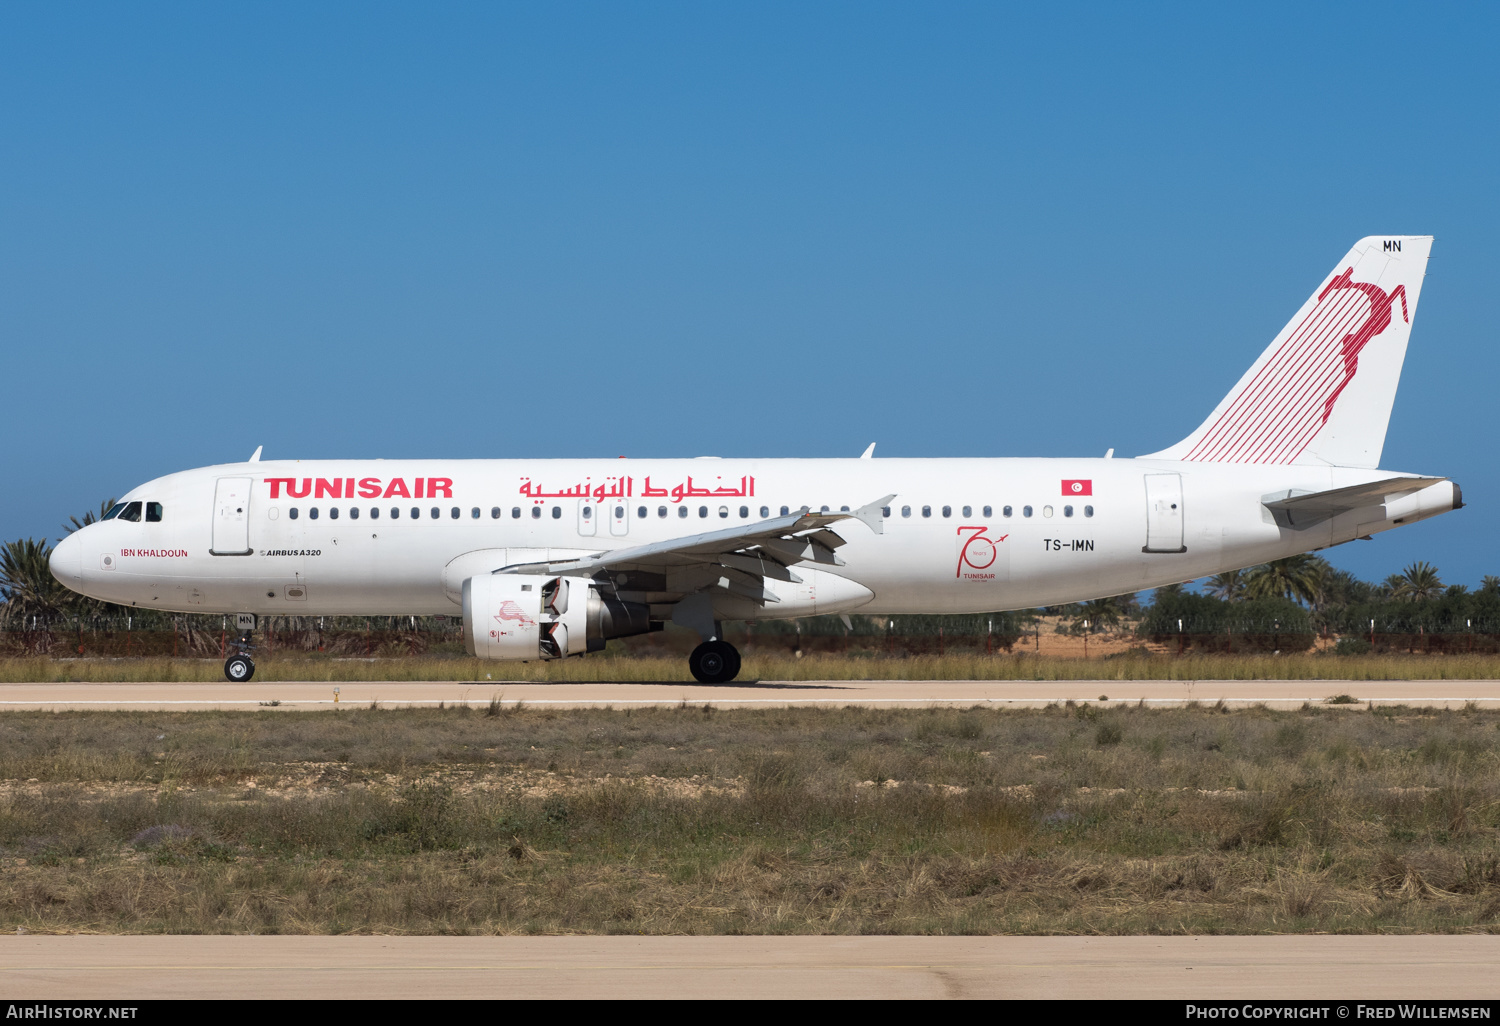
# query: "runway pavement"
1351,968
755,694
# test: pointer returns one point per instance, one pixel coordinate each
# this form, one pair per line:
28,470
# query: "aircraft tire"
714,662
239,669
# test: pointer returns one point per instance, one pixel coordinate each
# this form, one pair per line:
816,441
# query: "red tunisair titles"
364,488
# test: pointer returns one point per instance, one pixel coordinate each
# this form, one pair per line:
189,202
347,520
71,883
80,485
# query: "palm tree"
1298,577
75,524
1419,582
1342,589
1490,583
1229,586
27,587
1098,613
1167,589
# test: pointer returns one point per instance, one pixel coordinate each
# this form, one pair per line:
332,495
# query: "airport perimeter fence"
1399,629
189,635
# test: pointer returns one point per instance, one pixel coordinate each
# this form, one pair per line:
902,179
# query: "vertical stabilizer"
1322,391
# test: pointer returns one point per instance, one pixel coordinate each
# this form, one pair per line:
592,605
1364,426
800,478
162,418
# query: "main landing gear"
715,662
239,667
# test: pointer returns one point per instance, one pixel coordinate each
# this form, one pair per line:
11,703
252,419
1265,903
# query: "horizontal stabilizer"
1299,509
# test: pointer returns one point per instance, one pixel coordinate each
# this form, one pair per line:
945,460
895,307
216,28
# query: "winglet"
868,453
255,456
871,515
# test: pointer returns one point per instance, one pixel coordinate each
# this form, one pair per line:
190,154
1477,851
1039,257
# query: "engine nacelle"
514,616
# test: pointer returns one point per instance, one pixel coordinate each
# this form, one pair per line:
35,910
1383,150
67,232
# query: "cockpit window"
114,511
153,512
131,512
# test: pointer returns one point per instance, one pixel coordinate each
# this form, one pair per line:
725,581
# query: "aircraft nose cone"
67,561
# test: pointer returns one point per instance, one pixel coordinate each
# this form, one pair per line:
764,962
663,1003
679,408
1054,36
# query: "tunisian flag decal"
1078,488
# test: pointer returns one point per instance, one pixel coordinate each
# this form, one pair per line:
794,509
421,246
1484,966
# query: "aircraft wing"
736,558
1299,509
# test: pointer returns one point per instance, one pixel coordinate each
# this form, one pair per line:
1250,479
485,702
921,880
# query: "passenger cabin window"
292,512
312,514
1005,511
947,511
374,512
556,512
454,513
395,512
435,512
681,512
661,511
1025,511
333,513
927,511
1046,511
968,512
474,513
536,512
765,511
1088,511
906,511
640,512
353,512
885,511
1067,511
588,512
416,513
785,510
744,512
515,512
723,512
153,512
494,512
988,512
131,512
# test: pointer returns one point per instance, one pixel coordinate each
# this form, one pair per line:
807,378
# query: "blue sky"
763,229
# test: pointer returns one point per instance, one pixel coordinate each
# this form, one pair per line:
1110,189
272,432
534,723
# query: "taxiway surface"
1335,968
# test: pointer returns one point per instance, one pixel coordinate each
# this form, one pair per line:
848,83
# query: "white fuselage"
407,551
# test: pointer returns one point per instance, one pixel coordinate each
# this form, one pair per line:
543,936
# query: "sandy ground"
1277,694
1349,968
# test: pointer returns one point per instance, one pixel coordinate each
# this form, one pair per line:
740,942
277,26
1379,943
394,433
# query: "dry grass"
694,820
1138,665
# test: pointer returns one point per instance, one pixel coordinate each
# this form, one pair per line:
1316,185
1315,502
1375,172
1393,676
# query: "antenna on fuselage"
255,456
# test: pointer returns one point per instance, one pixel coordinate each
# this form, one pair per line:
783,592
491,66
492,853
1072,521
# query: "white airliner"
550,558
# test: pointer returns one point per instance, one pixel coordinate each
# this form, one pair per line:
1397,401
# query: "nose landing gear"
715,662
239,667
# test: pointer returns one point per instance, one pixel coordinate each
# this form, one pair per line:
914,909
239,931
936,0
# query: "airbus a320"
546,559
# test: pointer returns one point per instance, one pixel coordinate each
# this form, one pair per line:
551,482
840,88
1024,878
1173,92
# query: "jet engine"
511,616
